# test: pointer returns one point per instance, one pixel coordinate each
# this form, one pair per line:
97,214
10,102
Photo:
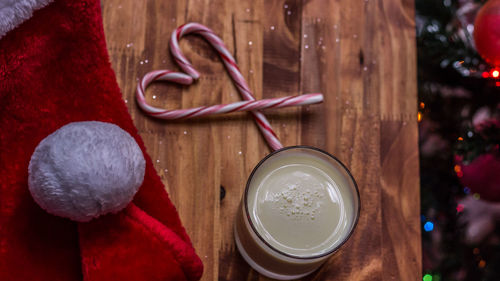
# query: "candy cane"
251,104
184,79
229,62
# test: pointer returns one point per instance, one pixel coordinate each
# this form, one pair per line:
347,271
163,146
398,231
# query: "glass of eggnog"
300,205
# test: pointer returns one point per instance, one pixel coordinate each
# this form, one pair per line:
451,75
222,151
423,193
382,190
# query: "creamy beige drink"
299,206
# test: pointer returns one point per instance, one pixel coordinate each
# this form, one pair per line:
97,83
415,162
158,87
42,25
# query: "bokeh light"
428,226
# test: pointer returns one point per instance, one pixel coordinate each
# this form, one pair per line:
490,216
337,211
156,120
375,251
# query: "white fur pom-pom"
86,169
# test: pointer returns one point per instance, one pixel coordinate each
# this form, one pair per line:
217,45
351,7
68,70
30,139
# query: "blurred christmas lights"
428,226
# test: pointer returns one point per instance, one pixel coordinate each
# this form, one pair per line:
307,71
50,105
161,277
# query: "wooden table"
361,54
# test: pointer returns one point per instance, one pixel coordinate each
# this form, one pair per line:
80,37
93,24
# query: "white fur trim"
86,169
14,12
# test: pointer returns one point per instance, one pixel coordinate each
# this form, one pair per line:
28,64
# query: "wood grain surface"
360,53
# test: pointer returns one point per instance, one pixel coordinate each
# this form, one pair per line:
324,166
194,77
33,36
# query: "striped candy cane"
250,103
181,78
230,63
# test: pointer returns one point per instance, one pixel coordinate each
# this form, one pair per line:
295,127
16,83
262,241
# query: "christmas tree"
459,98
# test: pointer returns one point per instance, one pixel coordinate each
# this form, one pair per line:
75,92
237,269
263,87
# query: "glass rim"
355,222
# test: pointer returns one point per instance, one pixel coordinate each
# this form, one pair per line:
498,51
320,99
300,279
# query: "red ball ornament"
487,32
482,174
481,177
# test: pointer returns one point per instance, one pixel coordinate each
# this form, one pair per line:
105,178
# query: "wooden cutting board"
361,54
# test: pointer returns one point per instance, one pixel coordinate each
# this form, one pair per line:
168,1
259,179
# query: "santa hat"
54,70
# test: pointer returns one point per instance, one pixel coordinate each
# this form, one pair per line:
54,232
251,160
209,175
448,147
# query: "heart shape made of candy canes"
187,78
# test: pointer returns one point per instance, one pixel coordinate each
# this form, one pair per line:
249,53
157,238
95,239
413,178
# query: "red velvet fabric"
54,69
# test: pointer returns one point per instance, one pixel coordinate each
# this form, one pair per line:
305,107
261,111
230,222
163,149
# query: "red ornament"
481,176
487,32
